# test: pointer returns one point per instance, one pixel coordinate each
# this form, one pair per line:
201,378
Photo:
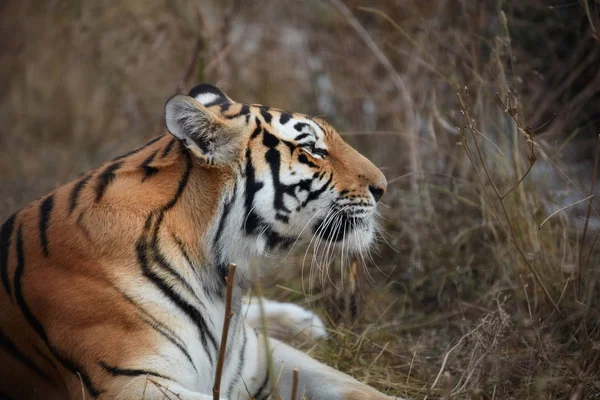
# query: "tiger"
114,285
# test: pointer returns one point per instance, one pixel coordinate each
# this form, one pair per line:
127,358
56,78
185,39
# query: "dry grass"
480,289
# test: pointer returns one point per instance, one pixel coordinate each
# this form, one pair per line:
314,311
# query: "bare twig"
587,219
562,209
225,332
295,383
576,393
457,345
192,65
509,228
447,386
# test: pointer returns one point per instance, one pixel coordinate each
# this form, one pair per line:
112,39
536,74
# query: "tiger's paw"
285,320
370,395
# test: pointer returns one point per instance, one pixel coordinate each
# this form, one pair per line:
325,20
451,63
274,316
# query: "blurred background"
484,116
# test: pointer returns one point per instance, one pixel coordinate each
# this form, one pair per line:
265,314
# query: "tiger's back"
55,263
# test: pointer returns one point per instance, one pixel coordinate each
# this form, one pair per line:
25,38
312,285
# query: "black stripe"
115,371
226,209
241,364
193,268
245,110
105,179
320,152
263,386
12,349
164,264
315,195
76,191
302,159
273,159
83,228
284,118
148,170
45,357
257,130
183,250
266,115
168,148
143,249
299,126
302,136
192,312
251,221
167,334
214,103
182,182
37,326
132,152
158,326
5,236
45,210
223,272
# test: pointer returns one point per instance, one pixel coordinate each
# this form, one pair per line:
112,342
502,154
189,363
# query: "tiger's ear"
211,139
209,95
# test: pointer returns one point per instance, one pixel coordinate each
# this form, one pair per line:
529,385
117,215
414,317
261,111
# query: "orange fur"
72,292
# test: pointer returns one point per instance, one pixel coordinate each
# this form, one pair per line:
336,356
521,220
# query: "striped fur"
113,284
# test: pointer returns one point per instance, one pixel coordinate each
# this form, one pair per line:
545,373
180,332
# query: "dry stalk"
564,208
192,65
457,345
590,198
295,383
508,227
447,386
225,332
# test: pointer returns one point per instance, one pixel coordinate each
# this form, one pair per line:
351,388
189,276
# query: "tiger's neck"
209,220
184,217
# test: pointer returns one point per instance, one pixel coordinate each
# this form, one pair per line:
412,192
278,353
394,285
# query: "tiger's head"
293,176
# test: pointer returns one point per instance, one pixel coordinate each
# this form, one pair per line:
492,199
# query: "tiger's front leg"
315,380
150,388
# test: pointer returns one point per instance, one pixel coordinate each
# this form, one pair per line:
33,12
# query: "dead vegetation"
485,283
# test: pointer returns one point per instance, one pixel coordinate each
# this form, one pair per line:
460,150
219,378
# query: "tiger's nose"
377,191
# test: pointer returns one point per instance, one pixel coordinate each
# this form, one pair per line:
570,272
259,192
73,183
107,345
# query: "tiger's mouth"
339,228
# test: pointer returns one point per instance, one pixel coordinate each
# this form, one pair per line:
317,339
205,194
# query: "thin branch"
294,383
587,219
513,187
447,381
192,64
592,246
509,229
460,342
225,332
562,209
